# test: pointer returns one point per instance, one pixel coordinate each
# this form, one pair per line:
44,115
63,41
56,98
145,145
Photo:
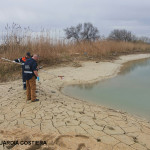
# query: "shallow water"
129,91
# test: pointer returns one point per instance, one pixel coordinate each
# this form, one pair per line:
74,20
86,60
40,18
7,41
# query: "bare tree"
73,32
86,32
121,35
14,34
144,39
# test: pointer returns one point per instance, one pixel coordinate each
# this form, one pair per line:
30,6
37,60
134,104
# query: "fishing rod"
54,76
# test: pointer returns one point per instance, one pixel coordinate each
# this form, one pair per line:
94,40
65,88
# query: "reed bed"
56,51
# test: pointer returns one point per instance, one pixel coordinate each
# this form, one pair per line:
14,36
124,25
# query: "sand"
68,123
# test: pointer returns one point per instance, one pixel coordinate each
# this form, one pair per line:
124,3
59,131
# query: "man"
31,74
22,61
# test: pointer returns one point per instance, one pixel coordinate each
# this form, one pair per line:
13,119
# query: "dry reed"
15,44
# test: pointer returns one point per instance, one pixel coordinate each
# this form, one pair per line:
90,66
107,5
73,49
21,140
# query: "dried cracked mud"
68,123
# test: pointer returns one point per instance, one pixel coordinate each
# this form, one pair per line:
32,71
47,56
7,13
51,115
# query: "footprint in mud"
81,146
59,140
67,141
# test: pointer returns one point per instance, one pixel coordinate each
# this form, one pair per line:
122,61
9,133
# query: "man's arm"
36,73
18,60
37,76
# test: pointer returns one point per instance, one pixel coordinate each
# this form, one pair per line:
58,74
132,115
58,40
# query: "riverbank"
72,124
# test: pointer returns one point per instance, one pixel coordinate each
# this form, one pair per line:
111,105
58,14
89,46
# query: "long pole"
10,61
39,67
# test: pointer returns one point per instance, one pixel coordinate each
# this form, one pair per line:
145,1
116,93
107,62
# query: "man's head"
35,57
28,55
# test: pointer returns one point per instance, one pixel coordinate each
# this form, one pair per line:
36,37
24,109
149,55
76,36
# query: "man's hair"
35,56
28,54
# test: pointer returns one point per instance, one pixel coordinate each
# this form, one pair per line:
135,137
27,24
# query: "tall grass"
60,51
16,41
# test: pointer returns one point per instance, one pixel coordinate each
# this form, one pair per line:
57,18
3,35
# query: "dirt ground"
66,123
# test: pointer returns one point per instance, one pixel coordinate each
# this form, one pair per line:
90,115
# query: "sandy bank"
75,124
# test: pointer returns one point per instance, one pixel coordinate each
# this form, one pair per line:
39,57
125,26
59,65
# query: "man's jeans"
31,88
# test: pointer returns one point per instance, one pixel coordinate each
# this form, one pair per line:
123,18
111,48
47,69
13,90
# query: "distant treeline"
88,32
82,32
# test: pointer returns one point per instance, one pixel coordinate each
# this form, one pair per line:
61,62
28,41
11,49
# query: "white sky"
132,15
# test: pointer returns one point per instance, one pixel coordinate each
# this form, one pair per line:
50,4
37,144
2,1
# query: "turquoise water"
129,91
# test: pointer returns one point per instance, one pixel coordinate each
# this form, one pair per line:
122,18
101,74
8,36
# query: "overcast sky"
132,15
